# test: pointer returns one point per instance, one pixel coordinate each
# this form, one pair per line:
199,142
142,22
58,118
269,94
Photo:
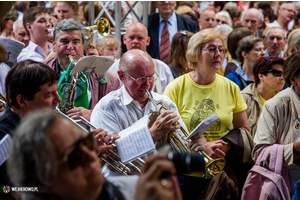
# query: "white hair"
15,24
224,28
226,14
260,17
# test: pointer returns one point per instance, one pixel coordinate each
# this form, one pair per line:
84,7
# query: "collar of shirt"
34,47
172,26
268,55
242,73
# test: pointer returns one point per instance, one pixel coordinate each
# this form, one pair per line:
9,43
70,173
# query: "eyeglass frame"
139,78
275,71
224,51
289,10
78,146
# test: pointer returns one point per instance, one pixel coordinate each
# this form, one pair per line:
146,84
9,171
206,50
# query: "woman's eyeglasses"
214,50
275,72
74,155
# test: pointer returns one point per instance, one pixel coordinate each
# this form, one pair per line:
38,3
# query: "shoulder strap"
241,79
157,82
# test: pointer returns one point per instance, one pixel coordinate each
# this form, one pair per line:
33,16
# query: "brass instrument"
124,169
212,166
103,28
2,100
67,102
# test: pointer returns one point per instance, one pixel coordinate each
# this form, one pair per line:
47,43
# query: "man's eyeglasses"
214,50
275,72
223,22
74,155
142,80
289,10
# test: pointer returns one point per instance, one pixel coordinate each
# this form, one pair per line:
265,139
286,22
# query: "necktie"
164,49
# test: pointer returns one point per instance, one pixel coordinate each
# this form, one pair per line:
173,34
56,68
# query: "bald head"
131,59
136,37
19,33
207,19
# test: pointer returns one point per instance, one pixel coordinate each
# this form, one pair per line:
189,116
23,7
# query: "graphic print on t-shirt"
205,109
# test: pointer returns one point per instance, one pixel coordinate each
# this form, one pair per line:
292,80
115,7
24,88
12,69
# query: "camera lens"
186,163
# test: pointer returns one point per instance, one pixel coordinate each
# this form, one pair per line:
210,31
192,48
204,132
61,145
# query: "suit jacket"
183,23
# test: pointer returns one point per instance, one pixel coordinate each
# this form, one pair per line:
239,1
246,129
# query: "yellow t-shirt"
197,102
262,100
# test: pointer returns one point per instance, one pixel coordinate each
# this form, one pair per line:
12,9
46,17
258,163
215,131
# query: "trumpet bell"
103,28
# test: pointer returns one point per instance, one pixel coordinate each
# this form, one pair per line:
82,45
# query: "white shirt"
118,110
33,52
164,73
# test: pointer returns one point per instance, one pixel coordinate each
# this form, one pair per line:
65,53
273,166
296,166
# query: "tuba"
212,166
125,169
103,28
2,100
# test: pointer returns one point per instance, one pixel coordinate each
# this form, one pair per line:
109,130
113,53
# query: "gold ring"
164,182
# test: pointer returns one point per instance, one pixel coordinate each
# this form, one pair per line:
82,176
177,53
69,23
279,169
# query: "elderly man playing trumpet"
121,108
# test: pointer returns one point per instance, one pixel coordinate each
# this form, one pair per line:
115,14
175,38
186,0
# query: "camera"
186,163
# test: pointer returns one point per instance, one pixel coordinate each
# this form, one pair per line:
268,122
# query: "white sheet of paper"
4,148
98,64
204,125
135,141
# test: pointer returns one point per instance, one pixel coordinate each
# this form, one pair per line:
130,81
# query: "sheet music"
204,125
4,148
135,141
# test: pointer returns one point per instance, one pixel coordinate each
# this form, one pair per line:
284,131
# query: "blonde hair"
108,40
183,9
198,41
293,39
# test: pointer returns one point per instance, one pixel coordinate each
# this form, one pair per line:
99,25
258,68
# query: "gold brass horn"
2,100
103,28
127,169
212,166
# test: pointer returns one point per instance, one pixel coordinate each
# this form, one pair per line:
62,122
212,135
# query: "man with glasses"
51,153
275,42
137,38
121,108
286,14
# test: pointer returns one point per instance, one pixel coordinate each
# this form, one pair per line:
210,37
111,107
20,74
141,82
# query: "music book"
135,141
204,125
4,148
91,64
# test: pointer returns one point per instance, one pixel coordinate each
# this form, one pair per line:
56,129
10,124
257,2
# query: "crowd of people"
237,60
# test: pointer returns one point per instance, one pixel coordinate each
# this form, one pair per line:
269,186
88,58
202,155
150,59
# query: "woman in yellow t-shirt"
202,93
267,72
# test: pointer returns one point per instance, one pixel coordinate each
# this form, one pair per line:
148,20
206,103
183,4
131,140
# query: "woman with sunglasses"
267,72
202,93
279,122
249,50
178,64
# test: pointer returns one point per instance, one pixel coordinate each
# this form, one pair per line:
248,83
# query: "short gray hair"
260,17
277,27
67,24
15,24
32,159
224,28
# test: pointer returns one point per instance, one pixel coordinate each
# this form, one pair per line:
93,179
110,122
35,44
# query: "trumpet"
2,100
124,169
103,28
212,166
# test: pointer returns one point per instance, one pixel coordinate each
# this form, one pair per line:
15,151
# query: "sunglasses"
275,72
74,155
223,22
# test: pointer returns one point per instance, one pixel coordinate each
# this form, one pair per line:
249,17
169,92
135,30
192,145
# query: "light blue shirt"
242,73
268,55
33,52
172,26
